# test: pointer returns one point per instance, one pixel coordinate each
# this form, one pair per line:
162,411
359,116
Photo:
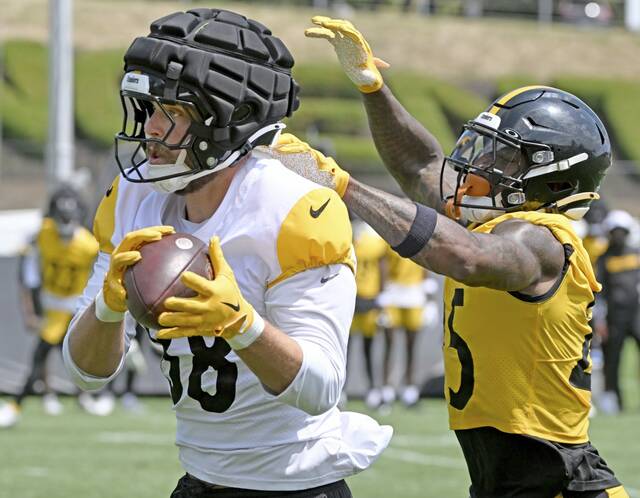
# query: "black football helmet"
230,74
534,148
67,209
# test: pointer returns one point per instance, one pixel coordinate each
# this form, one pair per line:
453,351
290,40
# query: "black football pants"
40,354
190,487
624,324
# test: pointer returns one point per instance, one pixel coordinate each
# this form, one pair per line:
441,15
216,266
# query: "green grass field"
125,455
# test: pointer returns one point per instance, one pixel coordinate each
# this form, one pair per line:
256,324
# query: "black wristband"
420,232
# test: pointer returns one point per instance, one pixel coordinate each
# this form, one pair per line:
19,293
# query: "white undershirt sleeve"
30,270
315,307
82,379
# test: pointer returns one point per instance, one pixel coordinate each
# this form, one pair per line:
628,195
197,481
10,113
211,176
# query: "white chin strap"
478,214
172,184
179,182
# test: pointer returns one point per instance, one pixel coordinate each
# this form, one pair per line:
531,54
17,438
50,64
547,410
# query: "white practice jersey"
288,242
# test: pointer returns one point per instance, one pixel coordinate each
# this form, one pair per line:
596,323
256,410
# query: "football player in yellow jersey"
58,266
370,250
404,300
520,284
619,272
595,241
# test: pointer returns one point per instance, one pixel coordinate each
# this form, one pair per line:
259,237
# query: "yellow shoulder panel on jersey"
48,233
87,243
104,222
316,232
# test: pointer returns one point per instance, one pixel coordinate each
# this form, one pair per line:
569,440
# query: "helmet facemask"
491,165
186,142
179,123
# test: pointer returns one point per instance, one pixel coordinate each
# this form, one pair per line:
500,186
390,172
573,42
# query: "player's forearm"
472,259
96,347
410,152
300,373
274,357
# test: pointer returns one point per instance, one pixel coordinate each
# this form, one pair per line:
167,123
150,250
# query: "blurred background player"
595,240
135,365
54,272
619,273
370,251
404,300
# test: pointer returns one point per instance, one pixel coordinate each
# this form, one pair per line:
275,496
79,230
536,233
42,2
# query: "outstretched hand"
219,309
354,53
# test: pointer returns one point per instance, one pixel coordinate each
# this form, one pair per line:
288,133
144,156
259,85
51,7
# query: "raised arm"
410,153
517,256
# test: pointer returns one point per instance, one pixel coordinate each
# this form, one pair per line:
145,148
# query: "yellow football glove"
301,158
219,309
123,256
354,53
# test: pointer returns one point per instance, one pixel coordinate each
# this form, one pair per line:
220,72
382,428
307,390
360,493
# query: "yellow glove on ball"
219,309
354,53
123,256
304,160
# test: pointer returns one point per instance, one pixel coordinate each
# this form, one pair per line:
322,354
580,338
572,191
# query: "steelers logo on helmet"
535,148
200,91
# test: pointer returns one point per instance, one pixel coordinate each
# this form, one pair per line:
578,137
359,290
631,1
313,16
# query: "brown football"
157,275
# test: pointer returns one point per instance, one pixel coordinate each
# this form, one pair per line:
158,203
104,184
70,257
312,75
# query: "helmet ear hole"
559,187
241,113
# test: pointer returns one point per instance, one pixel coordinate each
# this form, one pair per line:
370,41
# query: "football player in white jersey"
255,362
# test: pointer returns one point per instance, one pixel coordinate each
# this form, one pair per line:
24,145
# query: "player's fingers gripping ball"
125,255
353,51
219,309
301,158
156,275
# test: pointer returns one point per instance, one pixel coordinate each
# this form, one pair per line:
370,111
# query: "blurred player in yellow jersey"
519,286
595,240
403,300
370,250
54,271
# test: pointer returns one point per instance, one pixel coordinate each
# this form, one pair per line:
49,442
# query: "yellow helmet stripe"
506,98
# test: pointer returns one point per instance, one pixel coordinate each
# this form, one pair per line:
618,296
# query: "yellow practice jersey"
595,247
370,248
520,363
403,271
65,264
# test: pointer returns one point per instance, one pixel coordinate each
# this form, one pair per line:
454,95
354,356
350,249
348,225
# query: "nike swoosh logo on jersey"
234,307
324,280
108,193
317,212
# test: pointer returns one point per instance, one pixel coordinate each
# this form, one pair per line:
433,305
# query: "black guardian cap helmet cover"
231,75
